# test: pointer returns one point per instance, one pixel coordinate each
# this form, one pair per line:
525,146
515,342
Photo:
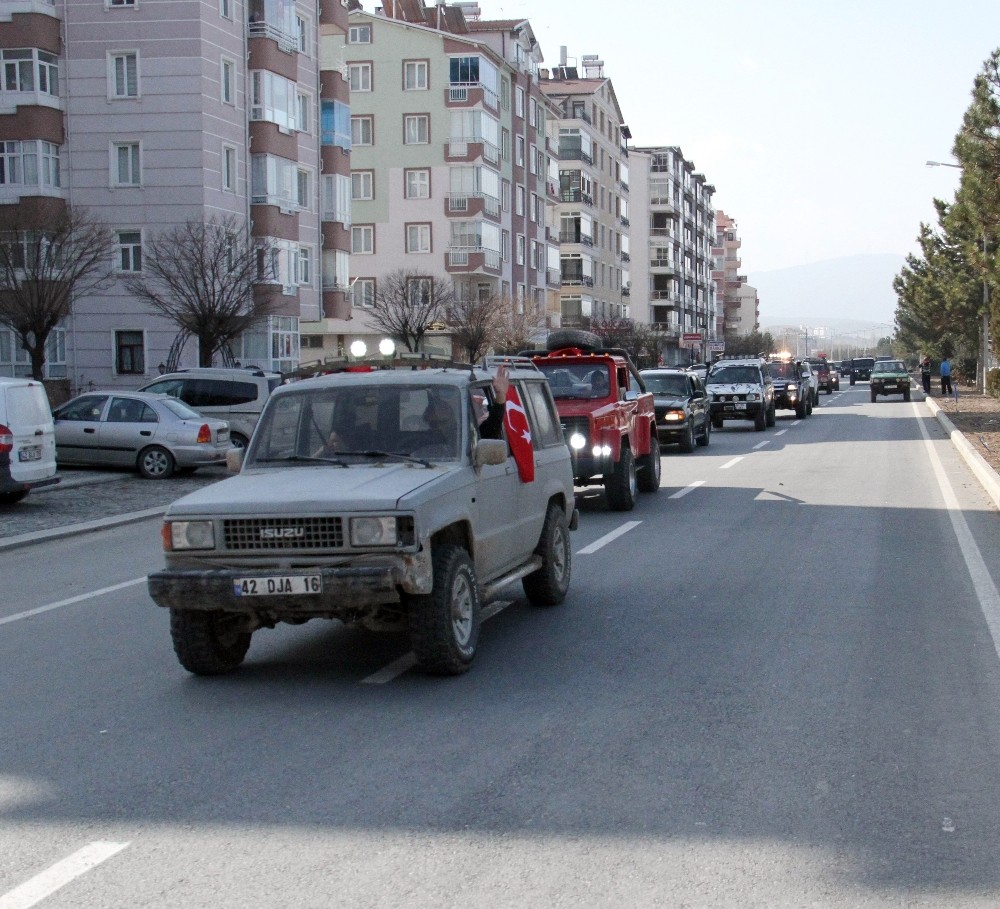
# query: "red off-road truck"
607,415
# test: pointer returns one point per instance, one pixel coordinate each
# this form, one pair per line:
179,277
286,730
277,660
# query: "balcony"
468,94
663,265
576,195
575,278
578,113
473,259
575,154
574,236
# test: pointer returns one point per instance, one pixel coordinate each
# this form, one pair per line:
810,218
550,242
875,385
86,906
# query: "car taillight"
6,439
204,434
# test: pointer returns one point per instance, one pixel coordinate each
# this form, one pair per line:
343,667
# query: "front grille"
282,534
729,397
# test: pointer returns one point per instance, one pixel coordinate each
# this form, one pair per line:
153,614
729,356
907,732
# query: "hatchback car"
154,434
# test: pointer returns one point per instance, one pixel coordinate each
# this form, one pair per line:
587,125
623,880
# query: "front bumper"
735,410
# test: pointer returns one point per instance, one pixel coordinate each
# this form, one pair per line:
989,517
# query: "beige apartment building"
740,313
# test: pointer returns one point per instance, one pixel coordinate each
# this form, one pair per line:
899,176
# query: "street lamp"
984,330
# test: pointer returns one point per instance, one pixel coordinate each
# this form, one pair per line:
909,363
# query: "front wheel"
155,463
852,380
687,440
800,409
12,498
906,395
444,624
706,433
770,416
874,396
649,468
716,422
621,485
760,420
548,585
209,643
238,440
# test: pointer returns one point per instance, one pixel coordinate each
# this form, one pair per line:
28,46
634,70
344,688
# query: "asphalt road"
774,684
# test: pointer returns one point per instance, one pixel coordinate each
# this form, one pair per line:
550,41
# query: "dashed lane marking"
69,602
44,884
601,542
690,488
731,463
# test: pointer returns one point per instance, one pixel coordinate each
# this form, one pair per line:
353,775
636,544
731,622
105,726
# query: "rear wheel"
209,643
238,440
548,585
649,469
444,624
155,463
621,486
12,498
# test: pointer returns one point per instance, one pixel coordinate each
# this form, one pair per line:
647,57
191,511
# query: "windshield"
890,366
734,375
666,384
786,370
354,424
577,380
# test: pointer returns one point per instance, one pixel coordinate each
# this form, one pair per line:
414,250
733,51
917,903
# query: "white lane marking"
608,537
760,445
408,660
729,464
781,432
986,590
683,492
69,602
794,423
32,892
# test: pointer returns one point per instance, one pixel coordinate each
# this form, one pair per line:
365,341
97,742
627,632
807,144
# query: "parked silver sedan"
152,433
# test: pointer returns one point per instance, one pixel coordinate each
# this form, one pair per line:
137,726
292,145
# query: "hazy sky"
812,119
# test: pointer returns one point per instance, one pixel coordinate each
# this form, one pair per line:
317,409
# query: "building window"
124,75
302,30
303,189
519,101
363,239
130,250
114,3
33,163
130,353
228,82
418,184
416,129
229,168
125,166
519,151
362,185
359,34
226,9
519,201
362,130
304,267
363,293
30,70
414,75
418,238
359,75
520,249
304,102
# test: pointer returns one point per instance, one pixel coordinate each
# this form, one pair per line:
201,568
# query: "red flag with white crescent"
519,436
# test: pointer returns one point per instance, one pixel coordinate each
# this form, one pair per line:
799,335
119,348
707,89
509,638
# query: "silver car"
154,434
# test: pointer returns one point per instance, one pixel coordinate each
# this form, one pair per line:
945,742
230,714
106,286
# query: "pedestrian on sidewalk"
925,374
946,388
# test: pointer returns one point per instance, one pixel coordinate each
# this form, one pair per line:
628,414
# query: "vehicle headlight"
577,441
673,416
753,396
602,451
184,535
374,531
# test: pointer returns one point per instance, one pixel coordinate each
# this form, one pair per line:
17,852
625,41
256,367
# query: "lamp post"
984,330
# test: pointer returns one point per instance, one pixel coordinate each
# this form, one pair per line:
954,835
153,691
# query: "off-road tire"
801,409
687,441
771,416
706,434
760,420
12,498
155,463
622,484
208,643
548,585
444,624
829,389
649,469
874,397
852,380
573,337
906,395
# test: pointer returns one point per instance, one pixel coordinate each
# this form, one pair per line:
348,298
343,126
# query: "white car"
27,439
154,434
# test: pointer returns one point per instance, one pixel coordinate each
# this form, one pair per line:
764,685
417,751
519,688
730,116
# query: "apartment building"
452,172
593,209
150,115
740,313
672,235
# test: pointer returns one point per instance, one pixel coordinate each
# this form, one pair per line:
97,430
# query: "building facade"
672,236
152,115
740,309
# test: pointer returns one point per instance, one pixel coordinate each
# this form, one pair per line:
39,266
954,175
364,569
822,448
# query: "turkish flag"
519,436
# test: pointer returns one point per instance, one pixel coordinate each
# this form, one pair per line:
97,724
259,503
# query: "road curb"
58,533
987,476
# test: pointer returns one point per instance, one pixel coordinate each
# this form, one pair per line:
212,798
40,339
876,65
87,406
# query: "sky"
813,120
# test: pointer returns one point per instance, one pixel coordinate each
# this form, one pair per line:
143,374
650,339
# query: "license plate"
890,385
278,585
31,453
739,405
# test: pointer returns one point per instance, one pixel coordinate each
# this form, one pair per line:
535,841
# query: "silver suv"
740,388
375,498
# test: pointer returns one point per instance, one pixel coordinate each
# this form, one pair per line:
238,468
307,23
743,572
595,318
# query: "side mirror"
489,451
631,395
234,460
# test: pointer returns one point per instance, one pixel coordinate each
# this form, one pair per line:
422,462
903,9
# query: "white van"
27,439
232,394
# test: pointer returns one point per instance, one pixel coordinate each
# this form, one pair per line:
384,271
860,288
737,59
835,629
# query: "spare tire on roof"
573,337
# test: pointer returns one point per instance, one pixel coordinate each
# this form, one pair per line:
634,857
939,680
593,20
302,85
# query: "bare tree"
521,324
202,277
474,325
407,303
43,266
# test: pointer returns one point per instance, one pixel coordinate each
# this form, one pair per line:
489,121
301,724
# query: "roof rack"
516,360
404,360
